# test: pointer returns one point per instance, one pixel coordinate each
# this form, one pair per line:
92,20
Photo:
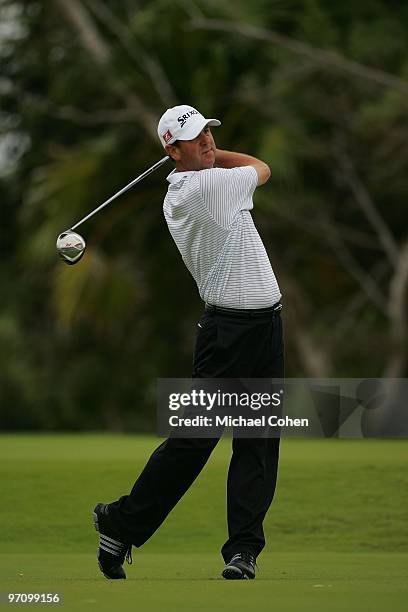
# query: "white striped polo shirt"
207,213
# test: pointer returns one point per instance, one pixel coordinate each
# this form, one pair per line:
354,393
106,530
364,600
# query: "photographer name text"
239,421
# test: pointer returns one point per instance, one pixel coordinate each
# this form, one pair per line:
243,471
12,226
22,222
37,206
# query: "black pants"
227,346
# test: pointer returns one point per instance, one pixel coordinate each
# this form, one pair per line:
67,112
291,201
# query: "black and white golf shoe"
111,552
241,567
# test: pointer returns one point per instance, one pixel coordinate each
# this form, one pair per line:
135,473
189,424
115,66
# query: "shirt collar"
175,177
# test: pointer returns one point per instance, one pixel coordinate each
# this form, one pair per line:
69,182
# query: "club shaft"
128,186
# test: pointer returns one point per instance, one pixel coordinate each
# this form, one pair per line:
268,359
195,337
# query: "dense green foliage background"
318,89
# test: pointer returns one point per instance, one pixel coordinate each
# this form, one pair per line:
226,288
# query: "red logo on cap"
167,136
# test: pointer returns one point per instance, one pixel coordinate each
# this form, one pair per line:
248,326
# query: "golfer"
207,209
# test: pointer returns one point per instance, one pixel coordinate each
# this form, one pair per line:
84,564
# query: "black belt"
245,312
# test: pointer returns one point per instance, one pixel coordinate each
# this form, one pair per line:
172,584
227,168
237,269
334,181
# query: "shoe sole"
95,521
234,573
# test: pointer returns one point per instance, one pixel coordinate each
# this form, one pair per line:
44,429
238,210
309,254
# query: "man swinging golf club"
207,209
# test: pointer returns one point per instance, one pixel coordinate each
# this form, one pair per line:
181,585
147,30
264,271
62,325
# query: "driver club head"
70,247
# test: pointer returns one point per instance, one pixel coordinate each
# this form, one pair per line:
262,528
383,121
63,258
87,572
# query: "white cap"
182,123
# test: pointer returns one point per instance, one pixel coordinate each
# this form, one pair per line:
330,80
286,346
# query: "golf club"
70,245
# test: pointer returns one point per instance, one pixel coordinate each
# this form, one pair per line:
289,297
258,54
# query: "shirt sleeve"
227,191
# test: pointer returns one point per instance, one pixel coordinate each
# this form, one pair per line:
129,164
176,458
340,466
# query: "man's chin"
208,160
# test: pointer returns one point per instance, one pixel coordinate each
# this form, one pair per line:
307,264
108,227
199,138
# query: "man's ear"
173,152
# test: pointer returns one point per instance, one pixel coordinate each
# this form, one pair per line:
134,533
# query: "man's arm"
229,159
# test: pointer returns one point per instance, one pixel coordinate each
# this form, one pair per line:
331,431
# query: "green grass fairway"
185,582
337,536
